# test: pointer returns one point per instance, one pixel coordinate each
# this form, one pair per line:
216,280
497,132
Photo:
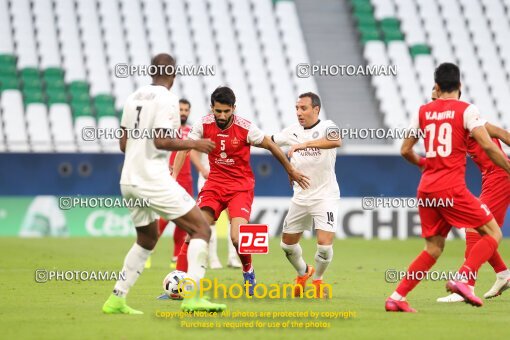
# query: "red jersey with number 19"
230,159
447,124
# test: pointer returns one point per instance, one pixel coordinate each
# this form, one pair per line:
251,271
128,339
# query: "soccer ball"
171,284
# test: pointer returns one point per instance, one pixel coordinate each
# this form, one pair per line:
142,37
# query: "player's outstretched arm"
294,175
321,143
499,133
482,137
407,151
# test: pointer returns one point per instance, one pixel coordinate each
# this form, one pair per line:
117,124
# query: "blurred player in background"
448,124
214,261
145,176
184,179
313,151
495,194
231,182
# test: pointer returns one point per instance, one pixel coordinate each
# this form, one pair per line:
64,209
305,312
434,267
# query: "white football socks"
197,260
323,258
294,254
213,244
133,267
232,252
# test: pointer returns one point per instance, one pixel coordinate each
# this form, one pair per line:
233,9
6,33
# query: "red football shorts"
496,195
467,212
238,203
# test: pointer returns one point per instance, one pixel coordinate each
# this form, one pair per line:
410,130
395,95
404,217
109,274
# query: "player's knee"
324,253
434,250
497,234
202,231
147,242
289,249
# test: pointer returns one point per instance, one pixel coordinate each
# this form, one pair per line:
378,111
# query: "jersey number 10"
444,139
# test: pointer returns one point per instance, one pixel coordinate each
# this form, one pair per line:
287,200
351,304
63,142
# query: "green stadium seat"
32,83
389,24
52,73
392,36
419,49
365,20
104,100
81,110
30,97
9,83
105,111
7,59
370,36
56,96
29,73
362,5
8,71
55,83
369,30
78,88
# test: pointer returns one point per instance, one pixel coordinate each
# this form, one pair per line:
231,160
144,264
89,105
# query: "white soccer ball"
171,284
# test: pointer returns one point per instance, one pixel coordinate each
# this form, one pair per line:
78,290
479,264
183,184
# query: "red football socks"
182,258
179,238
416,272
482,251
471,240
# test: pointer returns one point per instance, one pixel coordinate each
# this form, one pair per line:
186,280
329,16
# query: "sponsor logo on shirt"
310,152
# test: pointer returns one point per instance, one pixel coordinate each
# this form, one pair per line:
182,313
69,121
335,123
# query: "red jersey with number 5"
230,159
447,124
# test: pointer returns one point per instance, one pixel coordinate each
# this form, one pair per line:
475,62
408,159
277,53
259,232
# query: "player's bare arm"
407,151
295,175
123,139
321,143
482,137
174,144
195,159
499,133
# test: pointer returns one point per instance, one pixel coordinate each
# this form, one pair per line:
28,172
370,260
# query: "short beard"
224,125
184,119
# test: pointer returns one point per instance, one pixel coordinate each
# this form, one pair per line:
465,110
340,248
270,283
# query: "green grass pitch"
61,309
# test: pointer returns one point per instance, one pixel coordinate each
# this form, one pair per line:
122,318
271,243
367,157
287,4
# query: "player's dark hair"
184,101
316,101
159,62
223,95
447,77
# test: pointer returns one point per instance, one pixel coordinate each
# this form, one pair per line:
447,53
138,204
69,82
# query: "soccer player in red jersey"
448,124
184,179
231,182
495,194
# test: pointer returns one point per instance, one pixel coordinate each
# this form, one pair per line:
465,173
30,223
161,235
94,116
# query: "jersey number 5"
444,139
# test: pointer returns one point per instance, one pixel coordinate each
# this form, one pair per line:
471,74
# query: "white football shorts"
320,214
169,201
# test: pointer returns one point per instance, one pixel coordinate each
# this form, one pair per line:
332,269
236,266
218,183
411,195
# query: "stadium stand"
58,57
419,34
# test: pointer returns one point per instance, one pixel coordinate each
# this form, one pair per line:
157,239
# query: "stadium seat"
38,128
14,121
62,128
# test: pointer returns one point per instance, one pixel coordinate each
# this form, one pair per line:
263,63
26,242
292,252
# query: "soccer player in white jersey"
145,176
313,145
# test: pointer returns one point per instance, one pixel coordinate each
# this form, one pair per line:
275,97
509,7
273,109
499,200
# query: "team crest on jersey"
235,142
315,134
